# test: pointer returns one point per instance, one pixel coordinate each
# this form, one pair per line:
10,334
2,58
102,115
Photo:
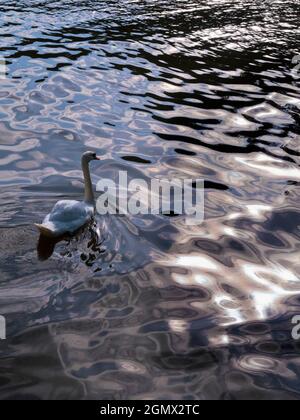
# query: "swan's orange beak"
98,158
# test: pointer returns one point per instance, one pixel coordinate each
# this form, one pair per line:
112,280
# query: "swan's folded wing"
69,211
68,216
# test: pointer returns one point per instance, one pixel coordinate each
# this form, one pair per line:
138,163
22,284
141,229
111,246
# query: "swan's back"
68,211
66,217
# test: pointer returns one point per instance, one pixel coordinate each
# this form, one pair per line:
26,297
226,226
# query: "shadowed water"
187,89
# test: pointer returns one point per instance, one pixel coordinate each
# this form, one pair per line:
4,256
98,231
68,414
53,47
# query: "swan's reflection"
46,245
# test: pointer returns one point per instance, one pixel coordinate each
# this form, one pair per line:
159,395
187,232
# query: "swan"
68,216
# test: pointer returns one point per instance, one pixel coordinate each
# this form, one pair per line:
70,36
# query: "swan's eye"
94,156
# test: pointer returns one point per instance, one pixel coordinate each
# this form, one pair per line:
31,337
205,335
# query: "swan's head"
89,156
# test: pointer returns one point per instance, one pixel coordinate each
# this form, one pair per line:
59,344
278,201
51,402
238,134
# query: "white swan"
68,216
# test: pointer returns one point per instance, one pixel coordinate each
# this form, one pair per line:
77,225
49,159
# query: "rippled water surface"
185,88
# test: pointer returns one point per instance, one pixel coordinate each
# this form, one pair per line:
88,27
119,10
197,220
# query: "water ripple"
159,88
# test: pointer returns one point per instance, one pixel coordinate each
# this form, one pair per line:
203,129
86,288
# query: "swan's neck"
88,186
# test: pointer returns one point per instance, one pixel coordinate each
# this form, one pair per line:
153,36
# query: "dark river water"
176,88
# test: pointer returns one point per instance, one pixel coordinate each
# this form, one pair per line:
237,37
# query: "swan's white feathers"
67,210
66,217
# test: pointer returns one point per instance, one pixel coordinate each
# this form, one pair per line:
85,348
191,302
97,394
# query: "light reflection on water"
179,89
